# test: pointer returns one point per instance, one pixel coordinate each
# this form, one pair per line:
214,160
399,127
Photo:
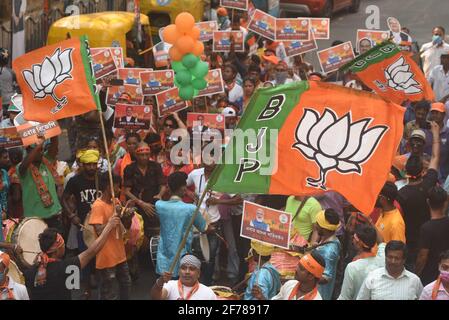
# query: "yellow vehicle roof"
100,26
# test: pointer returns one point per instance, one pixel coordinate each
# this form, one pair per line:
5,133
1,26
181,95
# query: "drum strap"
42,188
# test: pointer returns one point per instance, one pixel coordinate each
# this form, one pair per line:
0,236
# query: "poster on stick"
292,29
222,41
331,59
132,117
320,27
263,24
168,101
215,83
156,81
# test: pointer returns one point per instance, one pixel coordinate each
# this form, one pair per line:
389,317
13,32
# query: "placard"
320,28
331,59
235,4
30,130
103,63
132,117
215,83
131,93
222,41
10,138
207,29
292,29
374,36
263,24
200,122
168,101
294,48
156,81
131,76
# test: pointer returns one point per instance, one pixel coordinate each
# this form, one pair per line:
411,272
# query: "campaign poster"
207,29
320,28
160,54
30,130
129,94
222,41
235,4
294,48
156,81
200,122
331,59
103,62
131,76
265,225
132,117
10,138
375,37
168,101
292,29
263,24
214,83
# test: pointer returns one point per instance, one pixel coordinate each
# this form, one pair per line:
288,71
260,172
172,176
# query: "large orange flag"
57,81
310,137
392,74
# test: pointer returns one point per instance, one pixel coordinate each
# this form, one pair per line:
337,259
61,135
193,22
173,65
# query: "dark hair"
47,238
318,74
152,138
422,104
132,134
177,180
437,197
367,234
255,59
444,255
103,181
414,166
318,257
3,151
441,28
390,191
172,119
232,67
250,79
395,245
336,43
15,155
331,216
254,68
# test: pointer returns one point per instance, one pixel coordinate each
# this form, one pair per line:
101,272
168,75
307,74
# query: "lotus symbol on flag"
336,143
44,78
400,78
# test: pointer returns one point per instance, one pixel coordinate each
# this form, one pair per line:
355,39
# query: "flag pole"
186,234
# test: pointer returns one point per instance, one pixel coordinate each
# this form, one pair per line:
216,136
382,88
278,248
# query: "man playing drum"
9,289
174,216
187,287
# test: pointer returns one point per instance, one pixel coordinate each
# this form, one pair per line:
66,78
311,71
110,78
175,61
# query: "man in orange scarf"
308,273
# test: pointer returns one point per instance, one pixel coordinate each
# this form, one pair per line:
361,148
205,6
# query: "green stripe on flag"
260,113
87,62
375,55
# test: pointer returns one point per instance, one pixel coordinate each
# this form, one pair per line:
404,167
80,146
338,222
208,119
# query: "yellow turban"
262,249
89,156
323,223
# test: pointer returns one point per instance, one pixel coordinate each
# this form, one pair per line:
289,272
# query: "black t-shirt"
55,287
412,199
435,237
144,187
85,193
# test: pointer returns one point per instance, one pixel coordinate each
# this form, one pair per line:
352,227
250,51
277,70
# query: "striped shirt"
379,285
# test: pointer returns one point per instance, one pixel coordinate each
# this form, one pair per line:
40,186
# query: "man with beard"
145,183
79,195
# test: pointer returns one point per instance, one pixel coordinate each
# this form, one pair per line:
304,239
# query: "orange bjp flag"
311,137
57,81
391,73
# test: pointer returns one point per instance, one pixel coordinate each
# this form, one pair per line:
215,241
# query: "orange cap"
222,12
272,59
438,106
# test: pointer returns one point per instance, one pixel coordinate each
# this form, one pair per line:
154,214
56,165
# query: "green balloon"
195,92
190,60
200,70
199,84
177,66
183,77
186,92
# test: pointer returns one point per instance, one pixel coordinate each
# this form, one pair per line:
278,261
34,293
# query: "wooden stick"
258,270
186,234
146,50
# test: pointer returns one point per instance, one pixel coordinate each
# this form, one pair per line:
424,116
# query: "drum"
89,234
154,242
15,273
225,293
26,235
200,246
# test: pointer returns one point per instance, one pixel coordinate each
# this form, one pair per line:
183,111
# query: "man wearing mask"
439,289
431,51
439,78
281,74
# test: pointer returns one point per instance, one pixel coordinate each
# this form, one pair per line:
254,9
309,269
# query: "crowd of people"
104,224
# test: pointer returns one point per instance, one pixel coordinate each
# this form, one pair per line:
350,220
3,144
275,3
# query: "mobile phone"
116,82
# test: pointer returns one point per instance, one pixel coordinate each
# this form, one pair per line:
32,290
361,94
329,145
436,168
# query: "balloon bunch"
185,54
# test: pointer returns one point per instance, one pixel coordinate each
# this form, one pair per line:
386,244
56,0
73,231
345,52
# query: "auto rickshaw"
104,29
164,12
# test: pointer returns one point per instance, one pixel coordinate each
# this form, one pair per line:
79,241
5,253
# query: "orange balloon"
194,33
174,54
185,44
198,48
184,22
171,34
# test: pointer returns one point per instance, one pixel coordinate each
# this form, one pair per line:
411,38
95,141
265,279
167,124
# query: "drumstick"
26,251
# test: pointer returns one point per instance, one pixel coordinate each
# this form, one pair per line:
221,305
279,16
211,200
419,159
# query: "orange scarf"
435,288
125,162
364,255
42,260
190,294
5,292
309,296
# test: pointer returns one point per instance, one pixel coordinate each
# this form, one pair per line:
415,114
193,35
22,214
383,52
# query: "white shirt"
18,290
379,285
198,179
439,81
203,292
431,56
236,93
357,271
286,291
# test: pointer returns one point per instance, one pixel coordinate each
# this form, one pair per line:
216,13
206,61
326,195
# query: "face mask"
444,276
436,39
281,77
